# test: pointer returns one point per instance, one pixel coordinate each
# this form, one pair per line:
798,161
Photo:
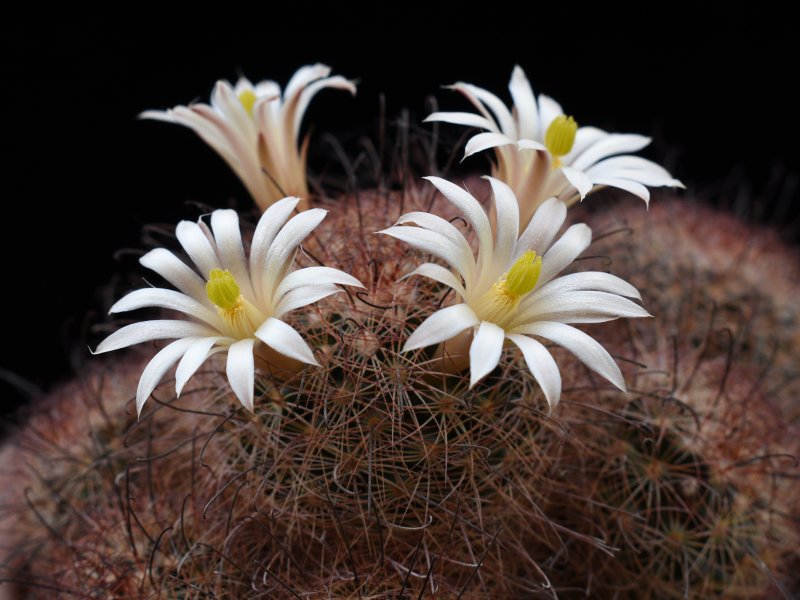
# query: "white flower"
235,304
511,292
256,130
552,157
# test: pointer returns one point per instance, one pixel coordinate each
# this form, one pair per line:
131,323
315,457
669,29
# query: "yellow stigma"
223,290
560,135
248,99
524,274
502,300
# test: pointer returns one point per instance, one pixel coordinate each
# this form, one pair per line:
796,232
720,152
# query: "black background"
82,176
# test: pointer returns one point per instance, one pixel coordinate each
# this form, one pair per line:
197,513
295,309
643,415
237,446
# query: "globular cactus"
380,475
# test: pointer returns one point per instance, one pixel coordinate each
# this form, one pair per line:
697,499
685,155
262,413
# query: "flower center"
248,99
560,137
502,300
241,318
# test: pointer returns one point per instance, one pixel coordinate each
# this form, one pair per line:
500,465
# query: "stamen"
502,300
524,274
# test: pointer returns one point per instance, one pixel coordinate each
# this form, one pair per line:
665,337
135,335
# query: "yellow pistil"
248,99
223,290
502,300
560,137
240,317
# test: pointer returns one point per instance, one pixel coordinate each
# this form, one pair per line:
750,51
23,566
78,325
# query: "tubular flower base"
542,153
256,129
511,290
236,307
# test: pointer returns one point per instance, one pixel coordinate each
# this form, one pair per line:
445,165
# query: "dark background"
711,83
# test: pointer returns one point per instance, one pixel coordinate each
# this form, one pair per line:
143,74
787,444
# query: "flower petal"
240,369
462,118
303,296
436,244
485,351
147,331
574,241
578,180
225,225
525,103
440,274
484,141
304,76
158,367
507,218
549,109
169,299
542,366
439,225
284,339
577,307
335,82
441,326
615,143
197,246
483,99
283,246
543,228
314,276
473,211
589,281
268,227
586,348
637,189
531,145
175,271
194,357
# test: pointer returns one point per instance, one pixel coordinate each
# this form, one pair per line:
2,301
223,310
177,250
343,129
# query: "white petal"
549,109
584,137
147,331
531,145
569,246
268,226
174,270
240,369
158,367
616,143
630,163
588,351
481,98
194,357
543,228
440,274
283,246
485,351
462,118
578,180
590,281
303,76
284,339
577,307
473,211
225,225
484,141
439,225
507,221
542,366
303,296
336,82
436,244
314,276
525,103
225,101
441,326
197,246
169,299
637,189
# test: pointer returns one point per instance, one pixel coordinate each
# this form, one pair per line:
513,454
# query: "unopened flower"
511,290
235,305
256,129
542,153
